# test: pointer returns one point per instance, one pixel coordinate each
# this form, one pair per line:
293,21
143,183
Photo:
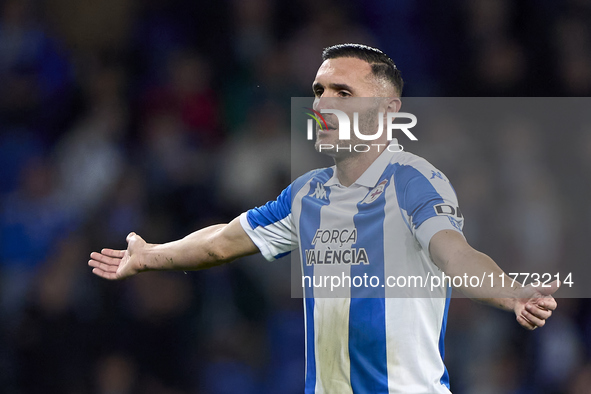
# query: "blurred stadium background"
162,116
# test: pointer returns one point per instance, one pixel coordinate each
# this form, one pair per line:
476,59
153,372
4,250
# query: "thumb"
130,236
551,289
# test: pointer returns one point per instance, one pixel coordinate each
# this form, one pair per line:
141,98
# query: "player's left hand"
535,304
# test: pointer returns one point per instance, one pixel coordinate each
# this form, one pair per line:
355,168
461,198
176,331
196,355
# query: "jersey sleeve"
428,201
270,227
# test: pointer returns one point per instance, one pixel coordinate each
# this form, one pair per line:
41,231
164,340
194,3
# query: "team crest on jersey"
375,192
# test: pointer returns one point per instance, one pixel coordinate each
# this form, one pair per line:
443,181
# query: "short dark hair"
382,66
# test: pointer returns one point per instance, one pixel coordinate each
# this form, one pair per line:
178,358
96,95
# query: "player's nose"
325,102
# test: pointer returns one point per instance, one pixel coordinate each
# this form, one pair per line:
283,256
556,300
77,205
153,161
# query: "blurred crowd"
163,116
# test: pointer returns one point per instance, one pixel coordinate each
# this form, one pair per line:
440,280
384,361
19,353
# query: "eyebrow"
333,86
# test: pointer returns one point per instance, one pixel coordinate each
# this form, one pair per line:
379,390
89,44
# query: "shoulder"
408,166
320,175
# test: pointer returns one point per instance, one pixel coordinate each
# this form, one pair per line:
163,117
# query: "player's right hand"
118,264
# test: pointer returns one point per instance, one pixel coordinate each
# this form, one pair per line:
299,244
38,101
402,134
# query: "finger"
113,253
525,323
538,312
102,266
104,274
548,303
105,259
550,289
536,321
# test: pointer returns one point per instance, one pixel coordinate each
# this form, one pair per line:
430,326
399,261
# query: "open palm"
118,264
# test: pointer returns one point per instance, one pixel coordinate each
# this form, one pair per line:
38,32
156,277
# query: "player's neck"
351,167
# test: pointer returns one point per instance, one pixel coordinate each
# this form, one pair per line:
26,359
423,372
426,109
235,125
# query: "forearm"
208,247
493,290
193,252
452,254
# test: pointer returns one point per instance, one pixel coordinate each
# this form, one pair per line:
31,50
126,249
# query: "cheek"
316,102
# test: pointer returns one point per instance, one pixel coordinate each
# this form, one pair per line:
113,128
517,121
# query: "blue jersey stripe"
310,385
304,179
271,212
280,255
308,225
367,346
310,222
445,377
367,316
416,195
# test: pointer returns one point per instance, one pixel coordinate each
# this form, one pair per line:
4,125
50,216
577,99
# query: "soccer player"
379,213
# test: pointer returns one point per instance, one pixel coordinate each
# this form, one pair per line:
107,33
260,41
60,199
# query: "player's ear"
393,104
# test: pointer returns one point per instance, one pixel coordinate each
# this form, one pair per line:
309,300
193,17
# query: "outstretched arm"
532,305
202,249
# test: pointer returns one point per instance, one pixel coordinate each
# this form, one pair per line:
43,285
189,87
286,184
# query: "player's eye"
344,93
318,92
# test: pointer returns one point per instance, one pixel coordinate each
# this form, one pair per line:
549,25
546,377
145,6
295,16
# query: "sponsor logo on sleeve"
437,174
447,210
452,213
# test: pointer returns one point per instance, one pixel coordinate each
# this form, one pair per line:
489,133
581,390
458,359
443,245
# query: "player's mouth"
330,130
326,131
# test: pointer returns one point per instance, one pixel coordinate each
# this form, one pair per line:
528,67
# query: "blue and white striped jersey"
365,341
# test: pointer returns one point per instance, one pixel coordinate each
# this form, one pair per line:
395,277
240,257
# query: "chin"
324,148
330,148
